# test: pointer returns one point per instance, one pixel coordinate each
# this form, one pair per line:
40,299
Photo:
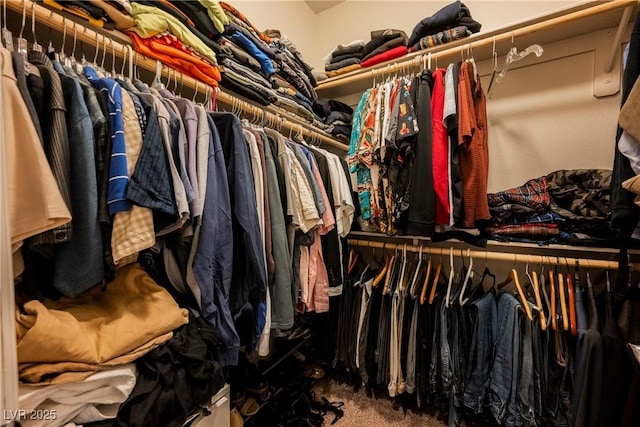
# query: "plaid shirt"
533,194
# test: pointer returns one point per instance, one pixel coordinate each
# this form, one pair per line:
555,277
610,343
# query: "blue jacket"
247,296
214,254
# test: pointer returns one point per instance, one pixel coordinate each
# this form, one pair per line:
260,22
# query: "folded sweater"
394,53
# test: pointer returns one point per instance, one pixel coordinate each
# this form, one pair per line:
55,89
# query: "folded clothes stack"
163,32
344,58
214,42
100,13
452,22
337,115
383,46
565,206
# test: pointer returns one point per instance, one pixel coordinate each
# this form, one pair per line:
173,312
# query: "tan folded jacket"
97,328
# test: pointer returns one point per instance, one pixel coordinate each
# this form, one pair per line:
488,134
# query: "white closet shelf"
120,45
576,20
588,257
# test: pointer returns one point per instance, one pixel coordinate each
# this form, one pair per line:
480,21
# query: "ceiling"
321,5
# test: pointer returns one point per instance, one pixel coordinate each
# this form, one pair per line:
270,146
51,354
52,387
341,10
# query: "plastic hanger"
468,277
401,283
7,37
157,82
416,273
513,56
35,46
523,298
451,274
21,41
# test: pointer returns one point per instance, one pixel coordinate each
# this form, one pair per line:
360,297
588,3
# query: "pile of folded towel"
452,22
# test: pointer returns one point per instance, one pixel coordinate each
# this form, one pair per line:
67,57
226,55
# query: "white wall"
355,19
293,17
542,117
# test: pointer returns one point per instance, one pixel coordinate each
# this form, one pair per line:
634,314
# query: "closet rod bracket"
608,62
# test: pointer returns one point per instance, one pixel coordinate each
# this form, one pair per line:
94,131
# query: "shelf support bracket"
616,40
607,72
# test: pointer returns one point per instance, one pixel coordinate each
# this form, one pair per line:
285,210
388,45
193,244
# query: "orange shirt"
474,150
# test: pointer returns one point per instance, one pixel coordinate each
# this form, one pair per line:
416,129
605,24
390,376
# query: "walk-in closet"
314,213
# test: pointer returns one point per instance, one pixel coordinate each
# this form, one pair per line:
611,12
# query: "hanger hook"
196,92
104,51
75,39
64,34
24,17
33,23
113,57
95,57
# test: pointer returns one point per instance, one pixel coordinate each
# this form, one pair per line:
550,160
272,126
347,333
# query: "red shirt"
440,149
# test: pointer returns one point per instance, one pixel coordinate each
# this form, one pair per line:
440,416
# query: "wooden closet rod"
469,43
498,256
119,42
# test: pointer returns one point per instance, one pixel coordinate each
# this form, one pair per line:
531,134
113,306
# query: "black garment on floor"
174,379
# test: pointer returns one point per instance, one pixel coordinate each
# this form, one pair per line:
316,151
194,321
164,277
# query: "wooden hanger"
353,257
563,303
383,271
387,279
425,283
552,286
573,326
509,277
436,278
468,277
523,298
533,278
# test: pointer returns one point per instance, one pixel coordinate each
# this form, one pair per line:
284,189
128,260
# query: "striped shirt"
118,177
